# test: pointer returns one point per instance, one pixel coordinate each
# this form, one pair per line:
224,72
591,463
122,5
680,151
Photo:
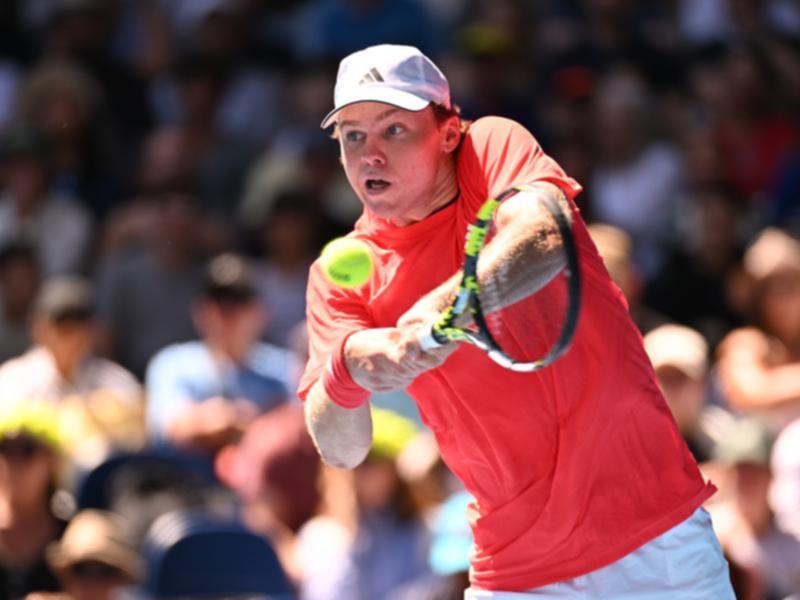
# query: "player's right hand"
390,358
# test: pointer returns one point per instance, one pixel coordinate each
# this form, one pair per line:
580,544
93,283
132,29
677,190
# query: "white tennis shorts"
686,562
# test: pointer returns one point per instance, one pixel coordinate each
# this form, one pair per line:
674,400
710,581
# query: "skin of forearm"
755,386
523,257
343,436
526,253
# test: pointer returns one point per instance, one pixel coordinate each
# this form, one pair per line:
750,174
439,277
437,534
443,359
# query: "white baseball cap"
398,75
678,346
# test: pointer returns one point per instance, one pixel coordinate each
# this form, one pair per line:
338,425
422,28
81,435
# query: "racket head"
535,330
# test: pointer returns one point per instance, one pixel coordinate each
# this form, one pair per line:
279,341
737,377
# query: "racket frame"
467,294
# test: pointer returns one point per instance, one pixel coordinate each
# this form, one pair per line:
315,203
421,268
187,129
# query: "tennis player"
583,485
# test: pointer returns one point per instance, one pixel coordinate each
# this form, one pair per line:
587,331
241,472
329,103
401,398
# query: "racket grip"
426,339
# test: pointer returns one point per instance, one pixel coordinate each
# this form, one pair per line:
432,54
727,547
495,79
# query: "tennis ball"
347,262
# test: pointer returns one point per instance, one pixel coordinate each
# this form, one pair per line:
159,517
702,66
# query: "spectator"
289,242
369,525
274,471
66,104
758,366
754,133
19,282
680,359
745,526
29,465
58,229
99,404
218,32
202,394
165,273
694,285
94,559
637,179
615,247
333,29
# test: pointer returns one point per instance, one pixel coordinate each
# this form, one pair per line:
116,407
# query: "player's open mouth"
376,186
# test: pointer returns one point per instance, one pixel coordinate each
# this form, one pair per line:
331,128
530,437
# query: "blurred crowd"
164,187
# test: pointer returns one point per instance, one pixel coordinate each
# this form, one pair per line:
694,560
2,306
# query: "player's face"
397,161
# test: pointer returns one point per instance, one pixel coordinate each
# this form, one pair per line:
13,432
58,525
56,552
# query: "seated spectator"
99,403
19,282
369,527
59,229
693,285
759,369
289,241
745,525
274,471
637,179
29,466
680,359
94,558
144,296
615,247
203,393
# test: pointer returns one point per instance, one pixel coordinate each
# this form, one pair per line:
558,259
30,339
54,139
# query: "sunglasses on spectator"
93,570
19,448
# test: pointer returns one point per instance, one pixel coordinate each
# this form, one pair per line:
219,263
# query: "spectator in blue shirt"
203,393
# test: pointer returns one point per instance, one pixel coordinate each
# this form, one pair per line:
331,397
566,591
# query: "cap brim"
384,95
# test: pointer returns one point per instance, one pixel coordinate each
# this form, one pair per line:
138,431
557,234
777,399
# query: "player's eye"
395,129
354,135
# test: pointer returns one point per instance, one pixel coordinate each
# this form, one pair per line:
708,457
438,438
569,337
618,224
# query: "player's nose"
373,155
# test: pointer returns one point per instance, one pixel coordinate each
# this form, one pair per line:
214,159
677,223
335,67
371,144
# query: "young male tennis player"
583,486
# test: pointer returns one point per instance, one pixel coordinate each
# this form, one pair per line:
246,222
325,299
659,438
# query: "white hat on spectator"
678,346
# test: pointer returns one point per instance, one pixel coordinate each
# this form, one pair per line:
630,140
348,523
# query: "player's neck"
445,188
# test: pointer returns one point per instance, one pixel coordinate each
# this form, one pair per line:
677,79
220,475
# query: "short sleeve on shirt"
498,153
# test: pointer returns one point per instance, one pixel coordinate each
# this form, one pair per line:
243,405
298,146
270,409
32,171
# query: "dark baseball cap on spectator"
64,298
228,279
22,140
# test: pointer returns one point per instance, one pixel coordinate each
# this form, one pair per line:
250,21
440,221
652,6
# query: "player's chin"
386,206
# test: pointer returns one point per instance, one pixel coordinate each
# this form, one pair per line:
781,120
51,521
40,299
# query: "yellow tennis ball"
347,262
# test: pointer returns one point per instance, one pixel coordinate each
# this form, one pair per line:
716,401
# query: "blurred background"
164,186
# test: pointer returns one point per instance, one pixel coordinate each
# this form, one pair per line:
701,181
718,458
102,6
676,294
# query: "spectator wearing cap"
29,478
274,471
203,393
679,356
759,365
99,403
369,527
59,229
94,558
615,247
745,524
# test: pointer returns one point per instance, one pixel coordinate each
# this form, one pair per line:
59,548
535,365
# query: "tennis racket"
521,334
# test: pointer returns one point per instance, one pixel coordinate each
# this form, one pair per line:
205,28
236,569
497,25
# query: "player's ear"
451,134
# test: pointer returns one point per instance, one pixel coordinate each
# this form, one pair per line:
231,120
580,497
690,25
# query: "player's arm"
343,436
523,257
377,360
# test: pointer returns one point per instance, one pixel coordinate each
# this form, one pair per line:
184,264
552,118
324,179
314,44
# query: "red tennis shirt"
573,466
